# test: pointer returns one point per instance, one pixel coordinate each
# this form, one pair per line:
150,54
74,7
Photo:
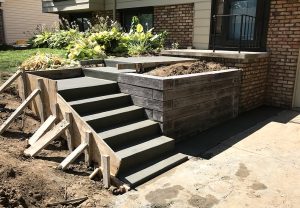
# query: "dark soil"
35,182
186,68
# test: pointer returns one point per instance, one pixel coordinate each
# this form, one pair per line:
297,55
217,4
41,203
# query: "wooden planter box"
187,104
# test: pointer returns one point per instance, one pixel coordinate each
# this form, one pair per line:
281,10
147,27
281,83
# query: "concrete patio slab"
256,167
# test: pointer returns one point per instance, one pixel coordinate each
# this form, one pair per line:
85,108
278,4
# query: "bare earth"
35,182
186,68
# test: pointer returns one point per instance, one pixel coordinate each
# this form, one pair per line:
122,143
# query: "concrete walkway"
257,167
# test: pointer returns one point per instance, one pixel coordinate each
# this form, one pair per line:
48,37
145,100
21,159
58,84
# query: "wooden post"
87,152
24,84
40,100
72,157
69,131
106,170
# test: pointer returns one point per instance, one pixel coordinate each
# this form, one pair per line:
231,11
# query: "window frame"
261,24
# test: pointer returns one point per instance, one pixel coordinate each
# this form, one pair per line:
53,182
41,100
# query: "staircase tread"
111,112
150,170
81,82
127,128
99,98
138,148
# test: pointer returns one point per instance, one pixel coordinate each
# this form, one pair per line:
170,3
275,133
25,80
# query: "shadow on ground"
246,123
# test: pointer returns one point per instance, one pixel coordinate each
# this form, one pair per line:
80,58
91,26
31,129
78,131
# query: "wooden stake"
73,156
87,152
24,84
45,140
40,100
95,173
18,111
43,128
10,81
106,170
69,131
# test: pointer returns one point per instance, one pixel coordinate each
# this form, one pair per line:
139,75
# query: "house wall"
283,43
71,6
21,18
1,27
177,20
201,16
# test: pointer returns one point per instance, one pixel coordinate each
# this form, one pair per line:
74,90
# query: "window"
144,14
82,20
239,24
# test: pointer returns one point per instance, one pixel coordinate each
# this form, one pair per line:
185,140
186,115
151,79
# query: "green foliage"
85,48
105,37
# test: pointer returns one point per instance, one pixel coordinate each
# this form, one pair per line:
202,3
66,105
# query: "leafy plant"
85,48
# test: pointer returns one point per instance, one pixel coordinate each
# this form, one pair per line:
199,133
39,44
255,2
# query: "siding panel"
21,18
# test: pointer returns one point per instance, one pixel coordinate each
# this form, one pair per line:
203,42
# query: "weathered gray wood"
73,156
88,150
10,81
18,111
106,170
135,90
146,81
43,128
24,85
152,104
69,131
40,100
45,140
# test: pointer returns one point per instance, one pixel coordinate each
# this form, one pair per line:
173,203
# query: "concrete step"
152,169
109,119
109,73
127,134
135,155
101,103
86,87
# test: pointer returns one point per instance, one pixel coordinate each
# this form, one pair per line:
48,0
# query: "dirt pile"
186,68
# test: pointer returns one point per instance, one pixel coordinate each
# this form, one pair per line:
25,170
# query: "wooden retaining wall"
186,104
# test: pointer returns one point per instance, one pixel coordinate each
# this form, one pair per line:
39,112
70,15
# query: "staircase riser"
153,175
147,155
102,105
123,139
89,92
114,120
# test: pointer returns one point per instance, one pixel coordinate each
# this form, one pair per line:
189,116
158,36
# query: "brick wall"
2,41
283,42
177,20
253,80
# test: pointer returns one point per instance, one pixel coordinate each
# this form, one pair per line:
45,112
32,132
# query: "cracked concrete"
259,167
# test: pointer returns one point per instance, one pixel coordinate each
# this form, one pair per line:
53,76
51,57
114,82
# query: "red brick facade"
177,20
283,43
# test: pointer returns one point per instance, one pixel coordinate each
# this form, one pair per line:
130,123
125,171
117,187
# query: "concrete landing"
80,82
256,167
146,60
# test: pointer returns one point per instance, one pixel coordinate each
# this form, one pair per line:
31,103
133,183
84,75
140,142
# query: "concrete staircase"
137,141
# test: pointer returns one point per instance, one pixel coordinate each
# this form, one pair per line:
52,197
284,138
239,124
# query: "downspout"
114,10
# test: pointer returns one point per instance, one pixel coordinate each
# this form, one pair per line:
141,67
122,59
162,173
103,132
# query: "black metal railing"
236,32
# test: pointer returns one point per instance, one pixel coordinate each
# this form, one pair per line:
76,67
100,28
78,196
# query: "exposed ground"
186,68
11,59
28,182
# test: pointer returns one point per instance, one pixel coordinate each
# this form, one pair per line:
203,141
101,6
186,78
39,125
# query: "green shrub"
85,48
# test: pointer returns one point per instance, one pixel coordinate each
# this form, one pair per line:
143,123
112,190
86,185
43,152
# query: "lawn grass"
11,59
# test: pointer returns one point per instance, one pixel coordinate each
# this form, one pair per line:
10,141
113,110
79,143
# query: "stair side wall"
185,105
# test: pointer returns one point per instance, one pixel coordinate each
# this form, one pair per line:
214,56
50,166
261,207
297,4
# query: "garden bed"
185,104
